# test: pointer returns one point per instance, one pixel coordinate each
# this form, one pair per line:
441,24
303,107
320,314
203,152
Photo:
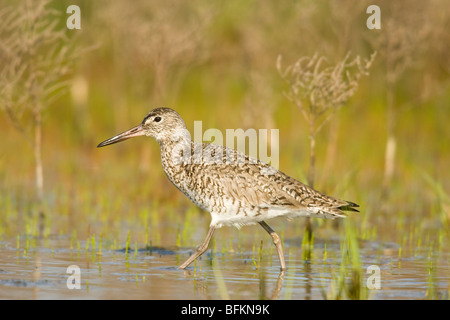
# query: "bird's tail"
349,206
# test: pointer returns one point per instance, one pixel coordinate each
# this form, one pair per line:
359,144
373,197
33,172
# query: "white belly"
239,217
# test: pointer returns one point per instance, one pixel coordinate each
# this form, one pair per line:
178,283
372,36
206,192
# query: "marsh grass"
37,56
318,90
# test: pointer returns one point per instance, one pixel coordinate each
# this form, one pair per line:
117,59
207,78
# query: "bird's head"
162,123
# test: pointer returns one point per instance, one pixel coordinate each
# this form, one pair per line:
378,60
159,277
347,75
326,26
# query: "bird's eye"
157,119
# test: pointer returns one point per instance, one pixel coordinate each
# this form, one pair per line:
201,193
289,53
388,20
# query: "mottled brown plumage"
236,189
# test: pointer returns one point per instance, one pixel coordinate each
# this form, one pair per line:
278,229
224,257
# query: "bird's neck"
176,152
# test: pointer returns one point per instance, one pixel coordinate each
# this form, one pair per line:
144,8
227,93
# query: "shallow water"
41,272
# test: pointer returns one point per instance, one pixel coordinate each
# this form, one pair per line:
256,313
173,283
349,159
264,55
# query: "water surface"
40,272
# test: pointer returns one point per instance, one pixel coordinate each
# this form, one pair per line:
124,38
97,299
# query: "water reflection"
41,273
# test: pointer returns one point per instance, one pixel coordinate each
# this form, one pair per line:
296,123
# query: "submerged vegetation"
217,62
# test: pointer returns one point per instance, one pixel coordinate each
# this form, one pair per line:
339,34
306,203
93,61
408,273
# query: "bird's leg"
276,241
200,250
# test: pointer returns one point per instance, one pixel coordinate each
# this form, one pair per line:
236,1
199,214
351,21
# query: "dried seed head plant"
164,41
319,91
36,57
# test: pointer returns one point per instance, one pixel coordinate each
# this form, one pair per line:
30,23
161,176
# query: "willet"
234,188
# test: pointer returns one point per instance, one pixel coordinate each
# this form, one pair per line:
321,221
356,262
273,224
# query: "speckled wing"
249,182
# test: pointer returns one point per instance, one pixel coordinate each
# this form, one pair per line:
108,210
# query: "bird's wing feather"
256,183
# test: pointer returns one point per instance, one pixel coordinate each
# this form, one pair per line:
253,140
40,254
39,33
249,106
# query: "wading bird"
234,188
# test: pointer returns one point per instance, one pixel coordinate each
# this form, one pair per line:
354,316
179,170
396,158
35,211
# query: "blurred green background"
215,61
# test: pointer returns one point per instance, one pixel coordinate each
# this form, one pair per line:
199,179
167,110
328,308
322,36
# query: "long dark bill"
133,132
